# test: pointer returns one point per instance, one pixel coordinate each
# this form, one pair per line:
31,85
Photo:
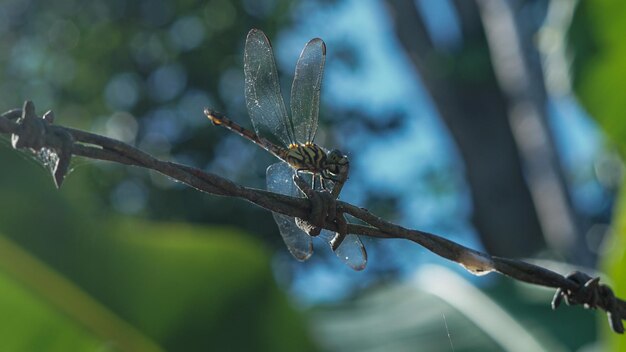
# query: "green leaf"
44,311
177,286
597,40
174,285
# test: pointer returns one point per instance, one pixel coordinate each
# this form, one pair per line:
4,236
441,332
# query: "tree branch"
39,135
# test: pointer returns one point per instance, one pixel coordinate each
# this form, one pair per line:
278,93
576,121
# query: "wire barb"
40,136
591,295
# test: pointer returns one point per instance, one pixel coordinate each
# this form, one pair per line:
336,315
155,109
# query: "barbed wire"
40,135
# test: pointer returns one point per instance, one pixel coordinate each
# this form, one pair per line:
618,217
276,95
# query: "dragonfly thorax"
312,158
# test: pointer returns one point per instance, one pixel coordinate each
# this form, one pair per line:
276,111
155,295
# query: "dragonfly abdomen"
219,119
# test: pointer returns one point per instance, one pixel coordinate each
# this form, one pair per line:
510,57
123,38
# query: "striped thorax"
312,158
309,157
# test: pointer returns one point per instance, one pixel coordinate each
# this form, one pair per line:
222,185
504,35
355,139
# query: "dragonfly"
295,136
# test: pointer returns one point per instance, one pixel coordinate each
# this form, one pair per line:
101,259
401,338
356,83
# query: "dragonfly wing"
305,90
351,251
280,180
263,97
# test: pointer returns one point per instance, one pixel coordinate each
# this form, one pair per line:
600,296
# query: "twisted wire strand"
28,131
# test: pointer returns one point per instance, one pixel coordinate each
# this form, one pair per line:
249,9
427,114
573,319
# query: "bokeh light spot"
187,33
166,82
122,126
122,91
220,14
129,197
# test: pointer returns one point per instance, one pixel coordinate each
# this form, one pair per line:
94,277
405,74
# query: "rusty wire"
37,134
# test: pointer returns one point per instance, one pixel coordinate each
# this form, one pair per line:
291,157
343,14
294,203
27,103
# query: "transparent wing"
305,90
263,98
280,180
351,251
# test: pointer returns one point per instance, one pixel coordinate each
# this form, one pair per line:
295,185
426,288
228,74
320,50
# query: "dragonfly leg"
297,178
337,181
318,213
302,185
323,209
340,235
322,184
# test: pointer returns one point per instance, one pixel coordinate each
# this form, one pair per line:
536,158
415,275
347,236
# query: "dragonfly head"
337,165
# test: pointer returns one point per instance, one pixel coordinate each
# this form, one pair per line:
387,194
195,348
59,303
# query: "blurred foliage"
47,312
614,264
529,304
35,325
454,315
599,69
596,37
142,71
183,287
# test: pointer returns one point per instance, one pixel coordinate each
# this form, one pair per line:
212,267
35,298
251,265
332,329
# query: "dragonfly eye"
335,156
337,163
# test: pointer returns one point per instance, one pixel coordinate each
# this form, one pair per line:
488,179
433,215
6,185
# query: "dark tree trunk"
512,37
475,110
